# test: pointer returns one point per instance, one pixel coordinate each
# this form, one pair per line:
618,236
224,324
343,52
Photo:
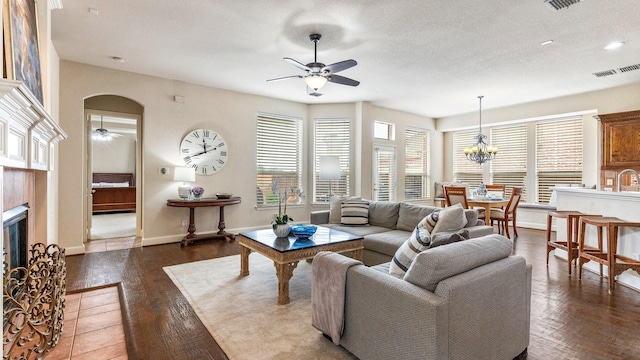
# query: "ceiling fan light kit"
318,73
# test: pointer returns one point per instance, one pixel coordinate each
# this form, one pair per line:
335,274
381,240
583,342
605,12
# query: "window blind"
509,167
464,170
558,155
385,182
278,158
417,166
331,137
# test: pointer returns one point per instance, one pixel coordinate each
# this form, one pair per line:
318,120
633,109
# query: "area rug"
109,226
242,314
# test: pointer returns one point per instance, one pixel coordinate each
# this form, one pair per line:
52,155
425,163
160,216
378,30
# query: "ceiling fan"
317,74
102,134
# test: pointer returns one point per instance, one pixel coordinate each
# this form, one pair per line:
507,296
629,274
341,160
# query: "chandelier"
480,152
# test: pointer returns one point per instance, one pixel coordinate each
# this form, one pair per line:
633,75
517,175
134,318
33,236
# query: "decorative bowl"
303,231
223,195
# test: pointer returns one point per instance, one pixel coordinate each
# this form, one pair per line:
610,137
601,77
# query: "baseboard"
532,225
74,250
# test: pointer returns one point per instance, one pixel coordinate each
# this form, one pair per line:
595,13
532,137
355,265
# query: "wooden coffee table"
287,252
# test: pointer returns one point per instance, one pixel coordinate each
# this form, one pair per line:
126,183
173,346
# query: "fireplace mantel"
27,131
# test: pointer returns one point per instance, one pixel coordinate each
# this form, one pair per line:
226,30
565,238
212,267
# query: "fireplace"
15,235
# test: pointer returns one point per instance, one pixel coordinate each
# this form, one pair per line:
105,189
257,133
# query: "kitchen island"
623,205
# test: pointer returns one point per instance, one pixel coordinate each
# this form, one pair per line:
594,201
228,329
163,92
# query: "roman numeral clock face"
204,150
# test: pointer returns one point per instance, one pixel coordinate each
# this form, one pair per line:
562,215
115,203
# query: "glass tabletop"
322,236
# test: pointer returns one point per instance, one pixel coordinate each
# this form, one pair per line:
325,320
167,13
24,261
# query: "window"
278,158
384,173
331,138
510,165
558,155
417,171
383,130
464,170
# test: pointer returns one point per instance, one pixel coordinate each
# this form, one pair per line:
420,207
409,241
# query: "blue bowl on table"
303,232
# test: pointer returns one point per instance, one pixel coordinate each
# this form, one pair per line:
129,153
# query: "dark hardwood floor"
570,319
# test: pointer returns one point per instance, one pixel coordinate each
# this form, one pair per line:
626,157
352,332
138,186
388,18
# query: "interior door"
384,173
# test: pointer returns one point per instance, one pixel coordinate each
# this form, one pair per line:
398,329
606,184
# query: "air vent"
605,73
556,5
629,68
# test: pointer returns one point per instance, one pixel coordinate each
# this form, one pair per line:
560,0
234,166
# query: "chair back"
497,190
516,194
456,195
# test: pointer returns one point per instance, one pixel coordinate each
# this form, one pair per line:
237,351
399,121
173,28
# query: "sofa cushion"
335,207
450,219
355,213
384,213
409,215
439,263
359,230
419,240
386,242
472,217
439,191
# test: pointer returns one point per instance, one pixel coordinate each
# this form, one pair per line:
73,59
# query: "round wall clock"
204,150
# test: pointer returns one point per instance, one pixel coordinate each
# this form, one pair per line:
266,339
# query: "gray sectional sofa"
466,300
389,225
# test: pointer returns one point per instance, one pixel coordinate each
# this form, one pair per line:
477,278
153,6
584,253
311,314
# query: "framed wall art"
22,56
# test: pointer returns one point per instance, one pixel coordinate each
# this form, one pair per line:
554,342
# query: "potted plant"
280,224
197,192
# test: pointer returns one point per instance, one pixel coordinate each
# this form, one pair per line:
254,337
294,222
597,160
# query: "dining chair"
497,190
503,216
456,195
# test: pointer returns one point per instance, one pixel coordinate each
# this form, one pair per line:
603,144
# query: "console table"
205,202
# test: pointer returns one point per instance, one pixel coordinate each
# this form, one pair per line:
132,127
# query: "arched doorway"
114,172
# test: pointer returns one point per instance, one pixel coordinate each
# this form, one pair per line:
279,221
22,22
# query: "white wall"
115,156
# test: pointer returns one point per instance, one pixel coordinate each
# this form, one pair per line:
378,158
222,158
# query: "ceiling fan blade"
312,92
286,78
297,64
343,80
339,66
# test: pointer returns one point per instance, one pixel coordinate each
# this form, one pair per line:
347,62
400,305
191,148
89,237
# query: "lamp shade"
315,81
184,174
329,168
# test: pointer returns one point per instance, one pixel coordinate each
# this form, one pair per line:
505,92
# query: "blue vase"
482,190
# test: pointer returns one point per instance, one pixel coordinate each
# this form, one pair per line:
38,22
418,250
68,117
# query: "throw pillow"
355,213
448,238
335,207
451,219
419,241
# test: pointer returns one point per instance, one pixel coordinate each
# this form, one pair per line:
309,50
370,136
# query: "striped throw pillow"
355,213
419,241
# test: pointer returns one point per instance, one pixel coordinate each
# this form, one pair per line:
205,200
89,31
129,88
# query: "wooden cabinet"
620,140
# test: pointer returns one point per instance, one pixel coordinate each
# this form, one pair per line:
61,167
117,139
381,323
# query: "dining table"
487,204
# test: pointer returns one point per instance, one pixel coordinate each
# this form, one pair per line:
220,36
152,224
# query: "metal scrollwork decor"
33,304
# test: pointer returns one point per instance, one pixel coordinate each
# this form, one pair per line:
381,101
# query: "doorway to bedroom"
113,173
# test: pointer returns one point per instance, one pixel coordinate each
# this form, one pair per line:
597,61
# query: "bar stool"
571,245
609,258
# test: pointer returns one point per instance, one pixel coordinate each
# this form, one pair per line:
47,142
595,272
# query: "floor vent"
556,5
629,68
605,73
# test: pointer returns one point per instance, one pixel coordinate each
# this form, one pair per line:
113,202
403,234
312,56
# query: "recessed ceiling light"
117,59
546,42
614,45
93,11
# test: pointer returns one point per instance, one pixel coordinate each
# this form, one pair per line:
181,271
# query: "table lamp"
329,168
184,174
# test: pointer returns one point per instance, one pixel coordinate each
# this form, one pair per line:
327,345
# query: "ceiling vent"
556,5
629,68
605,73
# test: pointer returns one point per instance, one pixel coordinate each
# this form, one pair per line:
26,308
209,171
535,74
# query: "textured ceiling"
426,57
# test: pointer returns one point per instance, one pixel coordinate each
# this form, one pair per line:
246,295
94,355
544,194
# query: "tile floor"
112,244
92,327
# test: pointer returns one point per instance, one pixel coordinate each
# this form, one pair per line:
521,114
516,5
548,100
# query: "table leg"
244,260
221,226
192,228
612,235
487,215
284,273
